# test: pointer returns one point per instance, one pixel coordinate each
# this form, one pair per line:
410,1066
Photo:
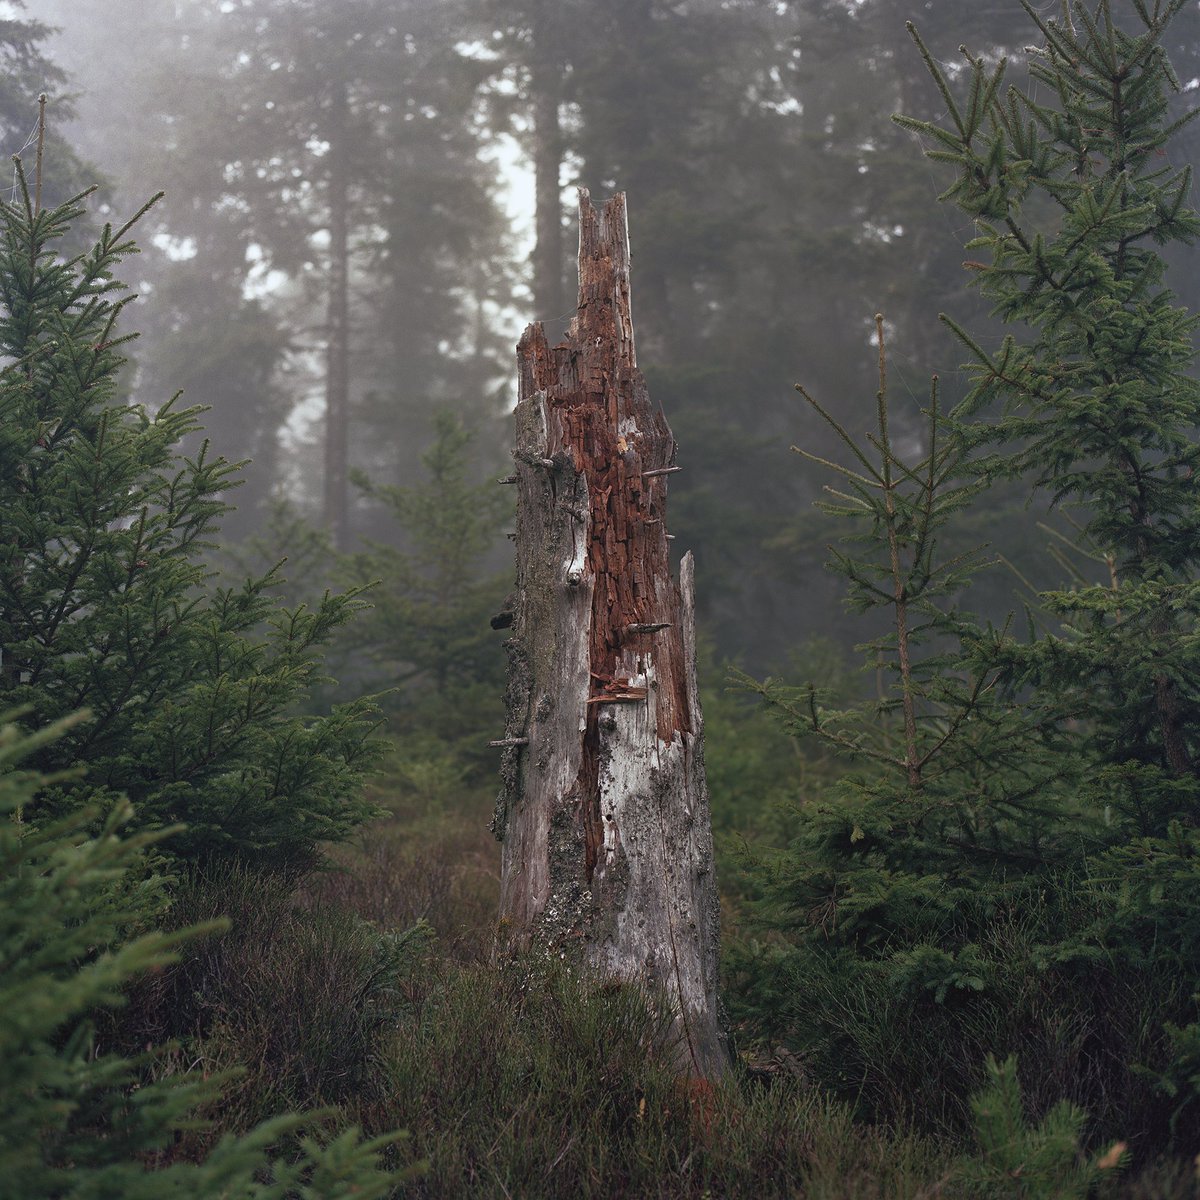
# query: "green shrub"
77,1120
1016,1160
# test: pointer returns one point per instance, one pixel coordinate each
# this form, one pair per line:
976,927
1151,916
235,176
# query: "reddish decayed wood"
606,421
601,414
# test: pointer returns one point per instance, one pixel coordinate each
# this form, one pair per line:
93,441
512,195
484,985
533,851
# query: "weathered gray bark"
604,816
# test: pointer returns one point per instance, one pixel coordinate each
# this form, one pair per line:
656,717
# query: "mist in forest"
367,200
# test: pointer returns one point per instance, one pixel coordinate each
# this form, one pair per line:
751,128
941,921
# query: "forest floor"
517,1080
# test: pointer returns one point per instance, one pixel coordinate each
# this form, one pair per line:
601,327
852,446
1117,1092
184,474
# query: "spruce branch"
840,430
939,80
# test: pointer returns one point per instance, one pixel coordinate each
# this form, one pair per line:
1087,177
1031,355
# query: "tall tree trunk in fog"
337,364
604,815
545,82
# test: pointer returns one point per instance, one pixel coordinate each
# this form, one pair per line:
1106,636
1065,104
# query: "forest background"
775,209
376,146
340,235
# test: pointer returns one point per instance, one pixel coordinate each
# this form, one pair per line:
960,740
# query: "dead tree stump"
604,816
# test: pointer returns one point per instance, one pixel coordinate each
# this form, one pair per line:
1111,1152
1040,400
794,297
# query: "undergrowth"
520,1079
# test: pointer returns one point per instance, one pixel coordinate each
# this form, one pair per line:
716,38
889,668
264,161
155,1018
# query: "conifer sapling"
105,598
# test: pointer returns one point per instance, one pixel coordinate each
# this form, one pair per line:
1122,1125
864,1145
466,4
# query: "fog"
366,201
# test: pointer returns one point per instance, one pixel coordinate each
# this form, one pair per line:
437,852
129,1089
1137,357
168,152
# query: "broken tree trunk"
604,817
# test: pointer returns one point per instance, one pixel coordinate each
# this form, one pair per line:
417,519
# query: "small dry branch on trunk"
604,814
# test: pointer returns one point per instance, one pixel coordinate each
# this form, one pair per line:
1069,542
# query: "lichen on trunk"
603,815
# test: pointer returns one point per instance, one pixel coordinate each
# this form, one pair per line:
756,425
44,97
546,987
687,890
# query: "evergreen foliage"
84,1123
751,139
105,601
1017,1160
428,638
425,644
1010,866
428,628
1098,406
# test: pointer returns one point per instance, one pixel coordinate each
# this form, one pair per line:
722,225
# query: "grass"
523,1081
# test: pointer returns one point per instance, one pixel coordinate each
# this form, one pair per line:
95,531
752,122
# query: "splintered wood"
604,810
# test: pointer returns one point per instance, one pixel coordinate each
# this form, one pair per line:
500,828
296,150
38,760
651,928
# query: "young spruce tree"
105,601
1098,404
428,632
1039,896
